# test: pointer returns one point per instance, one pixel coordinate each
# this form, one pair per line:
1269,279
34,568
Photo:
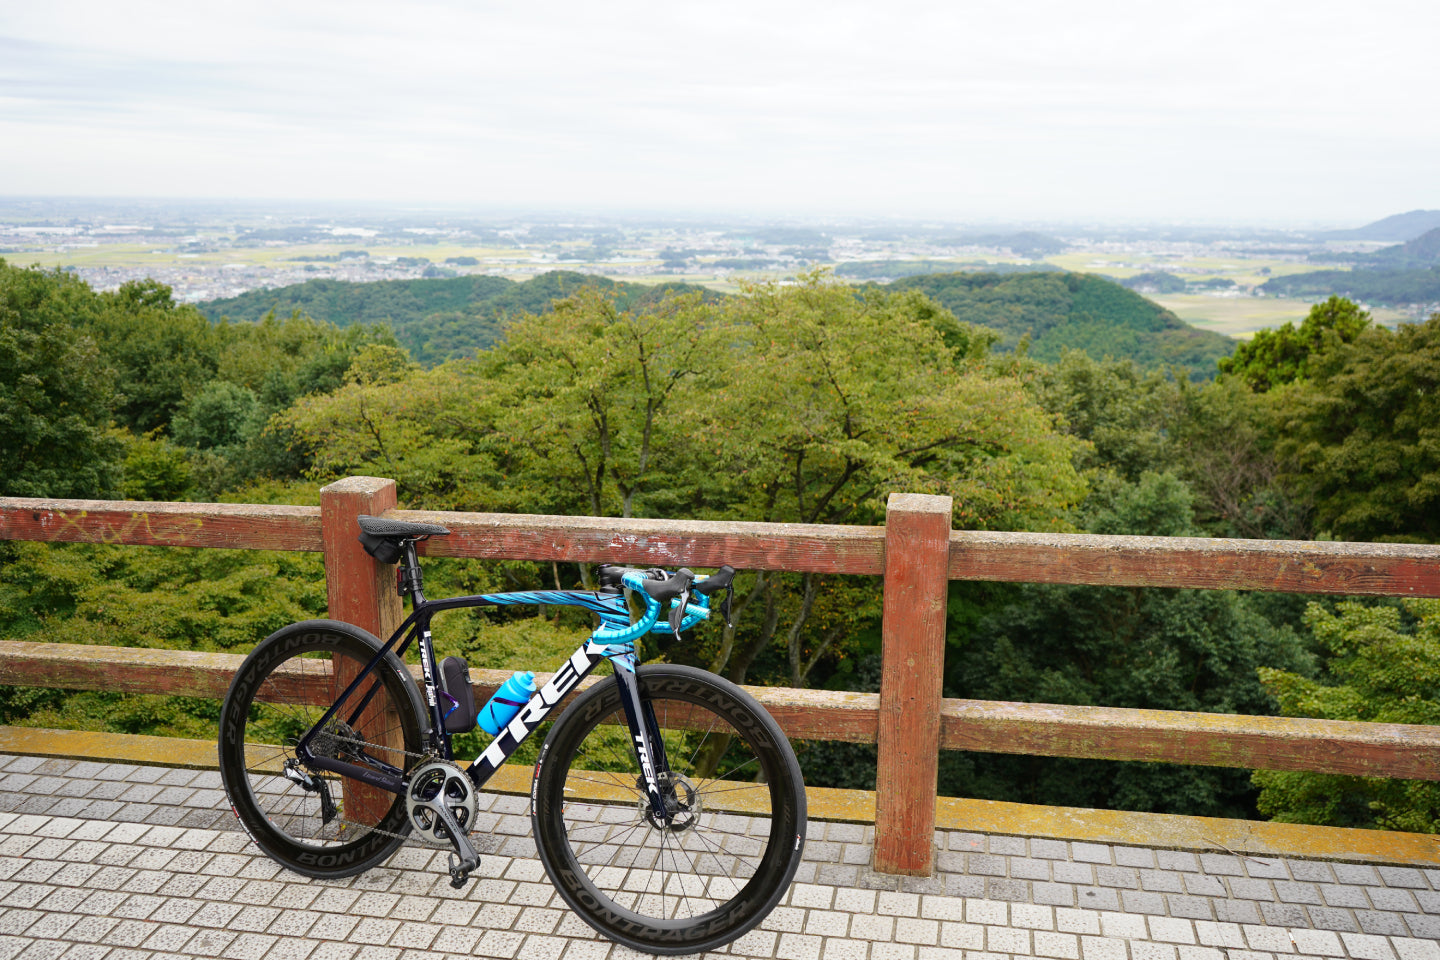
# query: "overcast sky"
1251,112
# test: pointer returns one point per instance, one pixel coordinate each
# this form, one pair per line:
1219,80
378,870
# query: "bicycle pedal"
459,871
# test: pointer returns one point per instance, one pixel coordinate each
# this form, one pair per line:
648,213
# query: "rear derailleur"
302,778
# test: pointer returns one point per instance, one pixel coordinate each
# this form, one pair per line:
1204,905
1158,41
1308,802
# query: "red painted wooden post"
917,554
361,591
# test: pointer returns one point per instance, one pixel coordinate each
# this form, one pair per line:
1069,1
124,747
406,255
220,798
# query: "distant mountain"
1407,273
1396,229
1074,311
1423,251
435,320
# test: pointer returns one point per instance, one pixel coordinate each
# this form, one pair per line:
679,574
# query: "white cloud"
1258,110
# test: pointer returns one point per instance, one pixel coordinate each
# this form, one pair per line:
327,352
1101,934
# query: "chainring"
433,784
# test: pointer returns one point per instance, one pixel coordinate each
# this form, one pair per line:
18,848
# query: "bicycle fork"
655,777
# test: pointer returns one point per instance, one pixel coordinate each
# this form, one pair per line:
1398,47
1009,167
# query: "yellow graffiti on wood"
139,527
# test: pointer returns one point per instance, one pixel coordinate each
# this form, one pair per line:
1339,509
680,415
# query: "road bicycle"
667,806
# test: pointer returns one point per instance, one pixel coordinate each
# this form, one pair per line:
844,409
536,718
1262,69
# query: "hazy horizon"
1272,115
358,209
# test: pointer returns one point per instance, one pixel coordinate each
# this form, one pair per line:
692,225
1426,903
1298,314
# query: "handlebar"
666,586
659,586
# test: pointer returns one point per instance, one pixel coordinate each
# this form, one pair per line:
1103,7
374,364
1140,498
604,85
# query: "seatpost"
408,577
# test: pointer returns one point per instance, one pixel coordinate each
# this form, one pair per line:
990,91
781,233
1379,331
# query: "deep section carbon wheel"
311,821
734,829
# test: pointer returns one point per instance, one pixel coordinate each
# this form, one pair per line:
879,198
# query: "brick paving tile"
169,877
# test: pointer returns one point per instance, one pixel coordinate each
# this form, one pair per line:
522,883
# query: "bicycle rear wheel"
315,822
732,848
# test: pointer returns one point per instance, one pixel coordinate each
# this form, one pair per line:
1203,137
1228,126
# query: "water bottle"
512,695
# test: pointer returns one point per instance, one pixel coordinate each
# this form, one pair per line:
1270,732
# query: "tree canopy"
1382,664
797,403
1275,357
1361,438
56,393
1055,312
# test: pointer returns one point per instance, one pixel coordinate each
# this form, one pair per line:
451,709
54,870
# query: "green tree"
591,401
1361,438
1224,443
221,414
1124,647
1275,357
162,352
838,401
56,390
1123,414
155,469
1382,666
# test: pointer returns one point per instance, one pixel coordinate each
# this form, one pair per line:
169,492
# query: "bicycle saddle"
400,529
383,539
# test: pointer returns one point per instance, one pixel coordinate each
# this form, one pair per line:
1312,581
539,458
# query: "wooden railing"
916,552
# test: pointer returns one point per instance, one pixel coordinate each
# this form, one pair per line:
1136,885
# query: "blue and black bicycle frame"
629,606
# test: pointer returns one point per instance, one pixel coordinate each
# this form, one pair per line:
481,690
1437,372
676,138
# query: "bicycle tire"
280,691
735,847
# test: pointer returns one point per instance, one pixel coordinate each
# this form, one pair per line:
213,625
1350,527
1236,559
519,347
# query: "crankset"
441,804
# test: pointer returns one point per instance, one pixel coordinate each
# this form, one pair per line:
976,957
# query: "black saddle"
384,539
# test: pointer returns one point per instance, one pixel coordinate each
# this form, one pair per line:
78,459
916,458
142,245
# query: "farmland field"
1242,316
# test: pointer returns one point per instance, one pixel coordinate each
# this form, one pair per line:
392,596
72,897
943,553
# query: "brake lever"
677,612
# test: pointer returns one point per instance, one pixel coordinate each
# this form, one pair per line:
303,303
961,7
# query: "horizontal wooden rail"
804,714
1410,751
1283,566
662,543
241,526
1295,566
1037,729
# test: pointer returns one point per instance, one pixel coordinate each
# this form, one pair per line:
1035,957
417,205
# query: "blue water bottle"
512,695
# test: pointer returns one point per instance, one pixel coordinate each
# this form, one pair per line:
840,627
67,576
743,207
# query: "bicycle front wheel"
309,820
729,852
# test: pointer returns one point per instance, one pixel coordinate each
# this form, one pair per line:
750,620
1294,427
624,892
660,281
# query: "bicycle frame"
613,640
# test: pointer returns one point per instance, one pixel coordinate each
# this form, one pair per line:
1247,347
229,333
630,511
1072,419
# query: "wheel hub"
682,805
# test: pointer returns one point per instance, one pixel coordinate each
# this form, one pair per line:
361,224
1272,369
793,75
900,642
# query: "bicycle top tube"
617,626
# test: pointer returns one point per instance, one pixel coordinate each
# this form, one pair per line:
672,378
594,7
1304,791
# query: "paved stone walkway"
119,862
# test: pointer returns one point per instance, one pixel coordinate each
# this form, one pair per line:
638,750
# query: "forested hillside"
1407,273
436,320
800,402
1383,287
1074,311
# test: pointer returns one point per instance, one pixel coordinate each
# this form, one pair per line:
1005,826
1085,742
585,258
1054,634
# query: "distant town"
212,251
